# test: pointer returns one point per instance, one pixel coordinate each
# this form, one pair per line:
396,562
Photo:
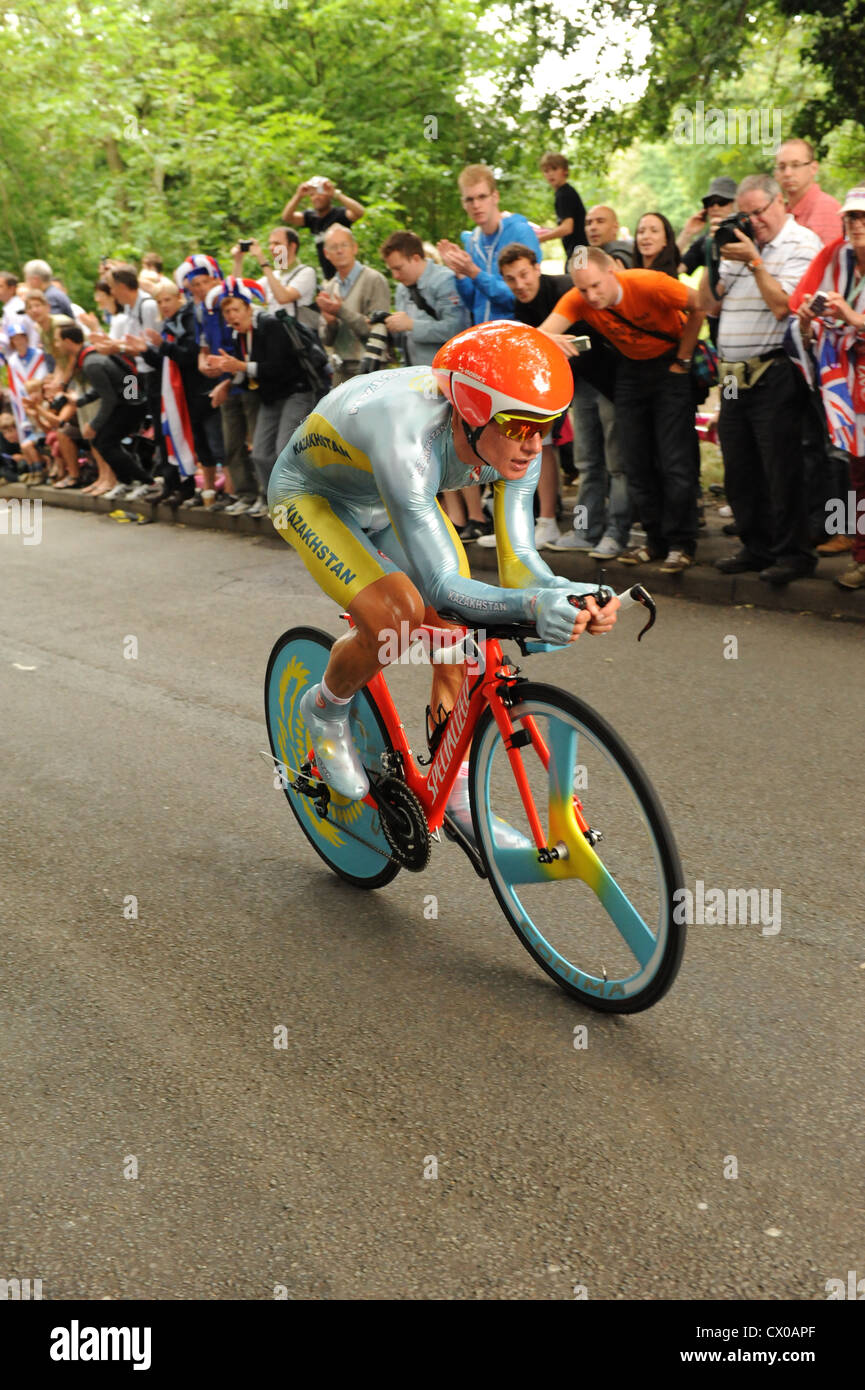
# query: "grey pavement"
702,583
149,1041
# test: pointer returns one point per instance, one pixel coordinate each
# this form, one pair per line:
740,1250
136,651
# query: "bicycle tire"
298,660
622,993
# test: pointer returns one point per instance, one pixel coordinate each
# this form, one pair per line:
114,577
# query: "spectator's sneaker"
115,493
546,532
639,555
573,540
473,530
606,549
839,545
488,542
726,510
258,508
336,757
223,501
239,506
138,492
676,562
189,502
853,578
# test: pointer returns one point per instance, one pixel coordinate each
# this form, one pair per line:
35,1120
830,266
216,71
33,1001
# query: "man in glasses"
796,171
475,263
762,403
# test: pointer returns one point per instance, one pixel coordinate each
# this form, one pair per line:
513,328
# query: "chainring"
404,823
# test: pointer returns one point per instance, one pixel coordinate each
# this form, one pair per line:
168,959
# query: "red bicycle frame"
487,680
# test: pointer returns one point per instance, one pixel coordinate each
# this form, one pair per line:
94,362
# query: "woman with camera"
827,338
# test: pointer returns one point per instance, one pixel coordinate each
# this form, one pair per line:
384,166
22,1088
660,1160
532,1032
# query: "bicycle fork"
501,698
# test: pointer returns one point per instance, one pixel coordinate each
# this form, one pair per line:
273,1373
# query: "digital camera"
727,228
376,347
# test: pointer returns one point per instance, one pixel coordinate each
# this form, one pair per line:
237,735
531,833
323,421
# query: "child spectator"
25,365
570,213
12,461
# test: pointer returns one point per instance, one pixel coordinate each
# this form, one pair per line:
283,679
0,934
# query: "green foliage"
132,125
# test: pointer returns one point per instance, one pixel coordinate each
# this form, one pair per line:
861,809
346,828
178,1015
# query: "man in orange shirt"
653,322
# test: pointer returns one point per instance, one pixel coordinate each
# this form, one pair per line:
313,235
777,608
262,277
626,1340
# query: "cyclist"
354,491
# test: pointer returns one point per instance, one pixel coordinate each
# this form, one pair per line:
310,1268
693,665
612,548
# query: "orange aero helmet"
503,367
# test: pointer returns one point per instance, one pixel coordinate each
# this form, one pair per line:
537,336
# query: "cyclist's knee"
386,606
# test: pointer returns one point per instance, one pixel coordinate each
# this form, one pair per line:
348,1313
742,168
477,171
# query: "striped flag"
834,362
176,427
23,371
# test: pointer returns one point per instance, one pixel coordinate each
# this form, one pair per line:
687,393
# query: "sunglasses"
716,203
522,427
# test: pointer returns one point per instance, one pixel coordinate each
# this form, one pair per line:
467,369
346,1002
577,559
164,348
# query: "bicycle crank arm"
319,792
453,832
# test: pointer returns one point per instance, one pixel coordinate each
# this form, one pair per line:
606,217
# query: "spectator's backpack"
312,358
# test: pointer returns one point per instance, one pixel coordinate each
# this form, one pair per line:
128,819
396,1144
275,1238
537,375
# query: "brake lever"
602,596
641,595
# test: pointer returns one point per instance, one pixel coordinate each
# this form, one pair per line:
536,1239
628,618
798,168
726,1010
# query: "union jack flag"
834,363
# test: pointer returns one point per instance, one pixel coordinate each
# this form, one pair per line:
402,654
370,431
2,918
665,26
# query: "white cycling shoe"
336,757
459,810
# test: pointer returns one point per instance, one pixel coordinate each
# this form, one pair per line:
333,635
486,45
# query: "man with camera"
695,239
429,310
347,303
764,254
287,282
322,215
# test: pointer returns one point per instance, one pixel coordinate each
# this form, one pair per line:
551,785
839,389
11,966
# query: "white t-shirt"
298,277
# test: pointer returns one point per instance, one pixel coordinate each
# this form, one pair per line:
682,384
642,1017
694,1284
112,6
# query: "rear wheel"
601,918
298,661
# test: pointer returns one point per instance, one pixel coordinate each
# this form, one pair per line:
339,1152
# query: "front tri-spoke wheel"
600,915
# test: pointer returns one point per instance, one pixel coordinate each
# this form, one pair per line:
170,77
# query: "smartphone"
819,304
245,245
582,343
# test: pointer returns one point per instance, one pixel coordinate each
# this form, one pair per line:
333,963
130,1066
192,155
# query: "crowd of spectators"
185,388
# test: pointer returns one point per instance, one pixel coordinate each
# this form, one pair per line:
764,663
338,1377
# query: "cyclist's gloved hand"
554,615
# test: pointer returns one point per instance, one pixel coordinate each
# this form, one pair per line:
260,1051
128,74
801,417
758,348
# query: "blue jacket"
438,286
487,296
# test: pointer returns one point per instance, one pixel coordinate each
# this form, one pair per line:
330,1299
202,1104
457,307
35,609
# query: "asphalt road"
408,1037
